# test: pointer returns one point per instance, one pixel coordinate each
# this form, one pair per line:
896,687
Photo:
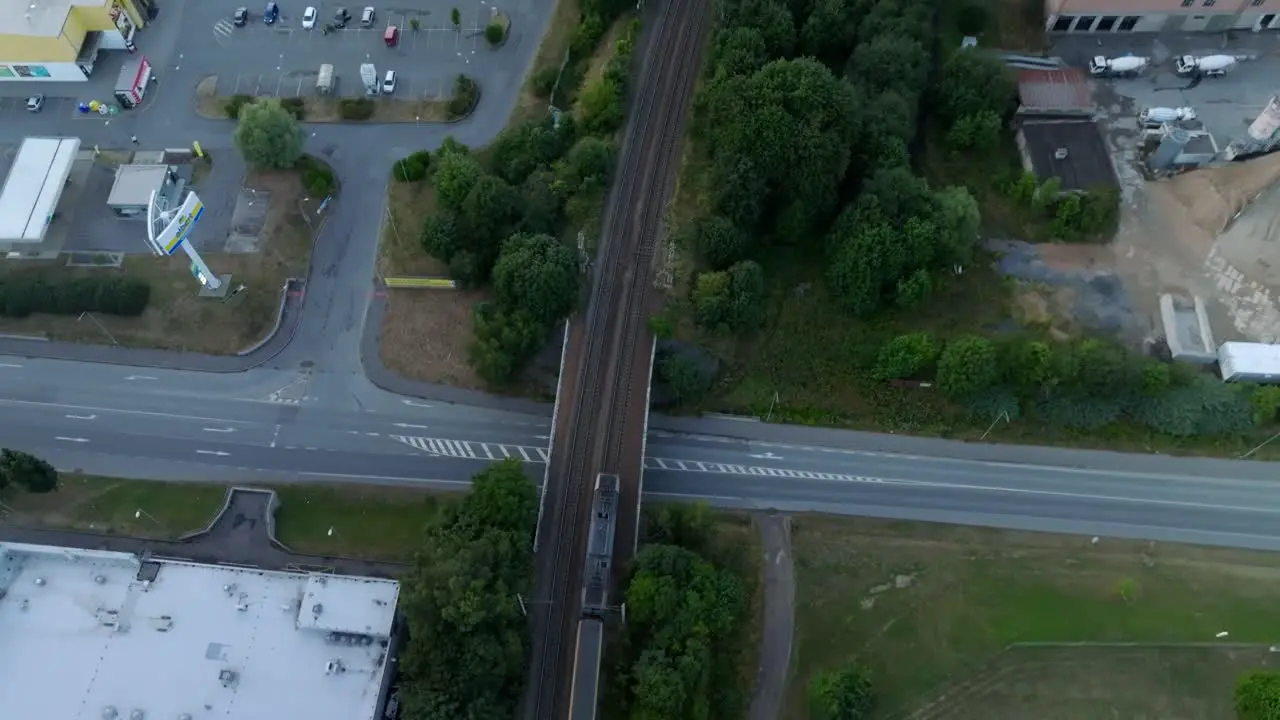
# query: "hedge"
24,295
317,176
355,108
466,93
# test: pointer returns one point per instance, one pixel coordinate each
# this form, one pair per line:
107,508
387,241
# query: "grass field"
377,523
930,610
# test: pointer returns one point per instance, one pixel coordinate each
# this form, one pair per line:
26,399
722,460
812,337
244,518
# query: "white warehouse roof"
1246,361
86,635
34,185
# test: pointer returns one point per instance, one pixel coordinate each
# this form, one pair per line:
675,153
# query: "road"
173,425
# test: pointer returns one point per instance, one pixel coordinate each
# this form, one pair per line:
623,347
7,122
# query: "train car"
586,669
595,579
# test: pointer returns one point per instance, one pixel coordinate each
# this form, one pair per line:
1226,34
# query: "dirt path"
779,618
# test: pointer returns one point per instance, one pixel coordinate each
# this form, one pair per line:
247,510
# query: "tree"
1024,365
971,19
1257,696
967,367
489,214
891,62
455,16
684,377
829,32
440,236
841,694
588,165
520,151
719,241
268,135
542,197
772,18
537,274
502,342
977,132
412,168
456,174
495,32
600,105
974,82
27,471
738,51
906,356
733,299
467,645
1265,402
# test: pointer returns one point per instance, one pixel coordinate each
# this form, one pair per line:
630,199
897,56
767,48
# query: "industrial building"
1056,132
1162,16
97,635
59,40
31,193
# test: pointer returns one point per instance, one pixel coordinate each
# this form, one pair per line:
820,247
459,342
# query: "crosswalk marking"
472,450
734,469
223,27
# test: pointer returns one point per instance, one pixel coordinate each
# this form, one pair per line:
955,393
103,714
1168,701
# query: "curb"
275,329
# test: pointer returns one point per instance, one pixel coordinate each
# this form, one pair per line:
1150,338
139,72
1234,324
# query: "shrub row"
23,295
355,108
413,167
317,176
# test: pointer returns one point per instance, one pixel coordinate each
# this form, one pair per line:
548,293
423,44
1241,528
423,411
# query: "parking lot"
284,59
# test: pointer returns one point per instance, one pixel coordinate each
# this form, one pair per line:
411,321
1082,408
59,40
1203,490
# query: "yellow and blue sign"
174,235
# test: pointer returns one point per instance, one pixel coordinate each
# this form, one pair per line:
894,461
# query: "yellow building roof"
40,18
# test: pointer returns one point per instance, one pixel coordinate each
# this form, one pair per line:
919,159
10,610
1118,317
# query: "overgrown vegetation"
1258,696
687,607
466,93
26,471
502,214
467,651
26,293
360,108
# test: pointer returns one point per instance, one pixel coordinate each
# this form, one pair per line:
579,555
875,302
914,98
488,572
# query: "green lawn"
929,607
370,522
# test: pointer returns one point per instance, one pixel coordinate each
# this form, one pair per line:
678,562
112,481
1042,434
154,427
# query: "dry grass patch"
177,317
929,607
425,335
551,53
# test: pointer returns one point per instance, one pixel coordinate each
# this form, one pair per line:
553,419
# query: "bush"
495,33
234,103
841,694
906,356
466,93
1257,696
23,295
355,108
544,80
413,168
296,107
587,35
317,176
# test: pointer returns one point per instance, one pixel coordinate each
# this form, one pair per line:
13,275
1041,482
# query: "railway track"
606,410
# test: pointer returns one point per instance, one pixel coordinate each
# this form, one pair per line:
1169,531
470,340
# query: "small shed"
1249,362
1057,92
134,184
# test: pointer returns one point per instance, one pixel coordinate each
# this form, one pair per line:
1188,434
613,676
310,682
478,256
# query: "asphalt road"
172,425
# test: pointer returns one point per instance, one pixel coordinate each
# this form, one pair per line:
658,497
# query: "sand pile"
1210,198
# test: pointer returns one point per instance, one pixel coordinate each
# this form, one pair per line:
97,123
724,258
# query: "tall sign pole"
169,230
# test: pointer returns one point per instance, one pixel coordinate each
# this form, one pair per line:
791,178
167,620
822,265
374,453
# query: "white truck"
324,80
1127,66
1157,116
1206,65
369,76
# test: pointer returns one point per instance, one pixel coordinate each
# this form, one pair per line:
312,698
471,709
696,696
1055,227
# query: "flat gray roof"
33,187
135,183
82,637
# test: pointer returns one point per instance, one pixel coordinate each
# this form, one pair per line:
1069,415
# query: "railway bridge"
594,475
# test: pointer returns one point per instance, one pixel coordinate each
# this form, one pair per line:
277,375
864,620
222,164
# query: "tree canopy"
467,652
268,135
26,471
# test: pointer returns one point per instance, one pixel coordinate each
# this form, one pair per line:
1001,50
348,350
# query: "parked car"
240,17
389,83
367,17
308,18
35,103
341,18
271,13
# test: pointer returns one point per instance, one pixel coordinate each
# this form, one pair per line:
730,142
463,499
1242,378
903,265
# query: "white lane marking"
219,453
220,430
767,456
275,437
74,440
81,417
789,474
415,403
410,425
9,365
146,413
140,377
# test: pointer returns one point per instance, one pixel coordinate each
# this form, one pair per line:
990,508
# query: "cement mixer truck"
1206,65
1127,66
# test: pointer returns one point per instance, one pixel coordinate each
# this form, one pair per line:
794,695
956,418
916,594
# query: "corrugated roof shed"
1059,91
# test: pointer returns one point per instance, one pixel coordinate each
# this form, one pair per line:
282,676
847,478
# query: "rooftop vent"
317,608
137,714
39,582
184,716
109,713
334,667
228,677
100,579
1060,154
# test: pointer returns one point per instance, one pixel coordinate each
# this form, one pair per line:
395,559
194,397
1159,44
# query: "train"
595,596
